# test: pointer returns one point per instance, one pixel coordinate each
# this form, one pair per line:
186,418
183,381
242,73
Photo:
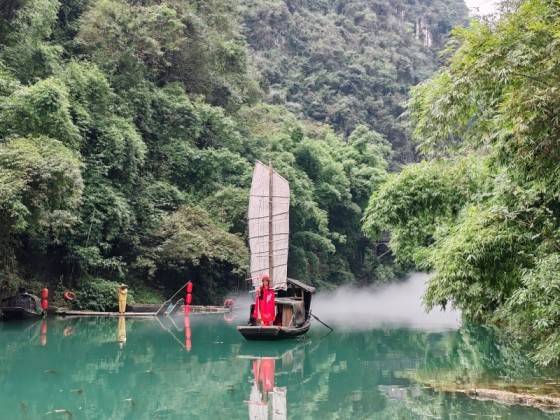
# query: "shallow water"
103,368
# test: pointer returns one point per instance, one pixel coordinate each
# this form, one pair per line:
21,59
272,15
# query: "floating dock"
195,309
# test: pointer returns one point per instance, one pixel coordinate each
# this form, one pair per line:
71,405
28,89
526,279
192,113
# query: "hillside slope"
349,62
128,132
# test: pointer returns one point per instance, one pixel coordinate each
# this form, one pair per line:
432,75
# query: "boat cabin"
292,305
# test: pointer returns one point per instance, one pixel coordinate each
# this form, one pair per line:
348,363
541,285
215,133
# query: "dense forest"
128,132
349,62
482,209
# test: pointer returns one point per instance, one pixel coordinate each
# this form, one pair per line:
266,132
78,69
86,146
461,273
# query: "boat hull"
253,332
10,313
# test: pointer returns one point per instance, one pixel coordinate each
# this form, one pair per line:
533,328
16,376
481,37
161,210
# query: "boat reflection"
269,366
266,401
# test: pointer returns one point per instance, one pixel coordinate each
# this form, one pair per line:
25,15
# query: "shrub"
97,294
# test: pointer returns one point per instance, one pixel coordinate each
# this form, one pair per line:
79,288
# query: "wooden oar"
317,318
169,300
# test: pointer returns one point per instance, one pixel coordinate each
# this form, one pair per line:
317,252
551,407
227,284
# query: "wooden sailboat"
268,217
21,306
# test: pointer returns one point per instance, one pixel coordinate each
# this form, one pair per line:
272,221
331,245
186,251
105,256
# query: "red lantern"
189,287
45,299
188,299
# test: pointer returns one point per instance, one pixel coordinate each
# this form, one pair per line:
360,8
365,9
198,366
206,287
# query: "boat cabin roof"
301,285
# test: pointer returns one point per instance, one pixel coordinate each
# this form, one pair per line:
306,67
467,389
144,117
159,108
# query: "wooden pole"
270,225
164,304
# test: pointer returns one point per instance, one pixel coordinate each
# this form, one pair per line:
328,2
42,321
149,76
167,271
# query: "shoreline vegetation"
528,398
482,209
128,132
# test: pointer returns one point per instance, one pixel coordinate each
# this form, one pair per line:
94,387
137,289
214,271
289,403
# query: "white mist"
394,305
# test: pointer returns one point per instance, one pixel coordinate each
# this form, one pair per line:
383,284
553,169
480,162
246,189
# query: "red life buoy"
69,296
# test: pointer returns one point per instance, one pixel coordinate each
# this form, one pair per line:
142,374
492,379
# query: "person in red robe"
265,307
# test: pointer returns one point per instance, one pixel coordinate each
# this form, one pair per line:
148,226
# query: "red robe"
263,370
265,307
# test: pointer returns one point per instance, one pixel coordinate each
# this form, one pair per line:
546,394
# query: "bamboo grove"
481,210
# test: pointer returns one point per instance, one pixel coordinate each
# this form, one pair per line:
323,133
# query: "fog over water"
394,305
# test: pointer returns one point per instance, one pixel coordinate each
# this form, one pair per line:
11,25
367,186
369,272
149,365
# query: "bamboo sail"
268,217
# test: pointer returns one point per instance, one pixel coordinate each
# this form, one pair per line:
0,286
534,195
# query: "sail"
269,207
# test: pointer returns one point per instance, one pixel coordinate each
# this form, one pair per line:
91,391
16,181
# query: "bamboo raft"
195,309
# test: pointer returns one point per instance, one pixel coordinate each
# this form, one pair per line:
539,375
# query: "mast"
270,225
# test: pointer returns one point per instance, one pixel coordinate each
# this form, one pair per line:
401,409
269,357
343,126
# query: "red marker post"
187,321
45,299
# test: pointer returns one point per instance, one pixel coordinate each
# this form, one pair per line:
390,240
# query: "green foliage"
129,131
476,263
533,311
189,245
39,109
349,62
89,93
40,185
189,236
168,42
490,234
27,52
135,40
420,201
96,294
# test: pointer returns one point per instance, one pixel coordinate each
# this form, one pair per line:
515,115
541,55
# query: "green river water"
103,368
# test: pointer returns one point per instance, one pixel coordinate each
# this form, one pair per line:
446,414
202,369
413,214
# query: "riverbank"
542,397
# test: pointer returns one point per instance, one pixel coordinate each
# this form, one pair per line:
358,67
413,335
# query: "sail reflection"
267,399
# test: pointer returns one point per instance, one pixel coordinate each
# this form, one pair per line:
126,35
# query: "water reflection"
43,334
359,374
267,398
188,332
121,331
266,401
